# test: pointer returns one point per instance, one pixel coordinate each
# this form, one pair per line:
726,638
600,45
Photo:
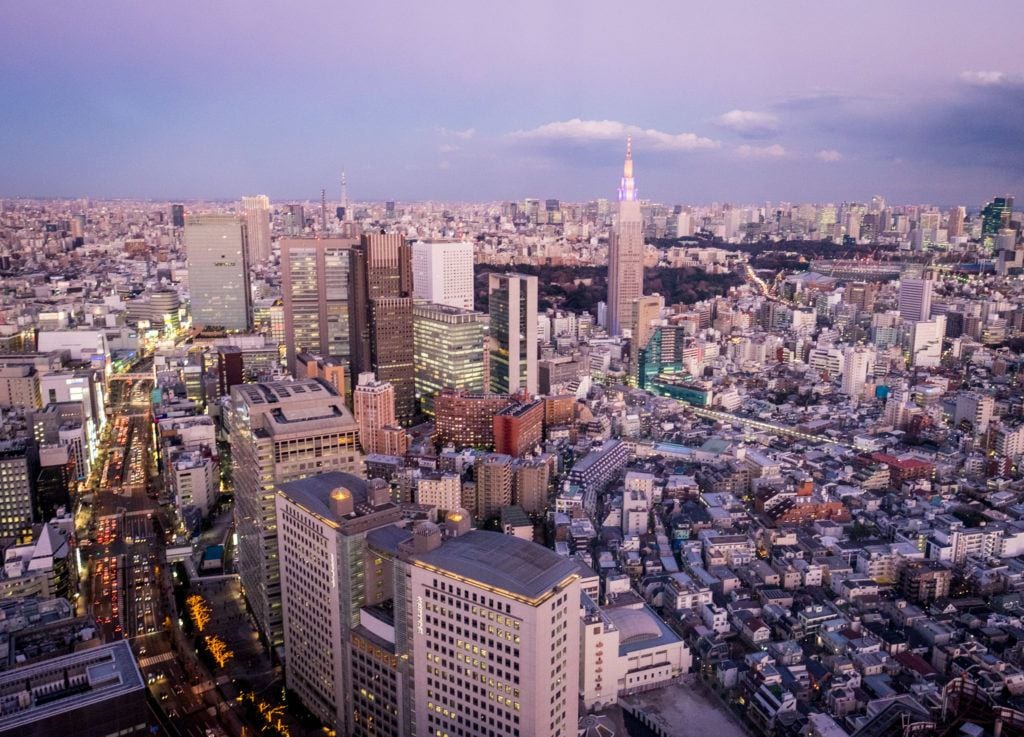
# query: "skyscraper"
178,216
280,432
915,299
382,333
218,271
625,251
450,351
955,223
257,221
857,364
517,605
322,525
996,214
643,311
315,274
513,333
443,273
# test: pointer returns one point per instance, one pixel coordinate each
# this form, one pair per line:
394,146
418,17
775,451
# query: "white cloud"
584,131
774,151
990,78
447,148
465,135
828,155
749,122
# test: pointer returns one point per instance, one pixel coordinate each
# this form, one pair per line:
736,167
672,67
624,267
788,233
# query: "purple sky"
727,101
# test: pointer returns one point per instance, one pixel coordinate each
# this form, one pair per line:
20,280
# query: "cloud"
774,151
465,135
828,155
749,123
589,131
991,79
447,148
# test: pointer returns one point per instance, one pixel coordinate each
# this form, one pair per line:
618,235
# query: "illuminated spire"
627,188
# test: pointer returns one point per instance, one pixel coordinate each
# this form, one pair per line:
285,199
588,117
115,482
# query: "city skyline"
725,104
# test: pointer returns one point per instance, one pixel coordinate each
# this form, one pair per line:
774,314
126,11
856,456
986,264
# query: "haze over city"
743,102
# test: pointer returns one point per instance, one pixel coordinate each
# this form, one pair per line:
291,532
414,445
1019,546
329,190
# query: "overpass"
762,426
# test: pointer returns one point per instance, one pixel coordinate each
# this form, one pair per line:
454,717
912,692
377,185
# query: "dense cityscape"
577,371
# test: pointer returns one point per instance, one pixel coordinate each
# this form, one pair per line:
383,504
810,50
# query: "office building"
315,284
955,222
517,607
18,469
996,215
465,419
442,273
512,343
325,582
55,482
644,311
19,387
915,299
625,252
280,432
218,271
382,332
450,352
256,210
91,693
373,403
178,216
519,428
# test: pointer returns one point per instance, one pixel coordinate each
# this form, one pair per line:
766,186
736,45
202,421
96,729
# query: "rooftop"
110,671
491,559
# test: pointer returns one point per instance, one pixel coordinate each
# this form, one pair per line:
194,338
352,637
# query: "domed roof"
634,625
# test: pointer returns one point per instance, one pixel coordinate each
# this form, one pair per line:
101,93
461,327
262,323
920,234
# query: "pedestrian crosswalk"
154,659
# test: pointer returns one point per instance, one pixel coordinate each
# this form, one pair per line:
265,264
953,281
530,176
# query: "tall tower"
280,432
218,271
625,251
257,221
381,316
513,333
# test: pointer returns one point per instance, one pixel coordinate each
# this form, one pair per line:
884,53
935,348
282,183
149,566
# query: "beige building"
322,526
374,405
280,432
493,474
495,637
19,387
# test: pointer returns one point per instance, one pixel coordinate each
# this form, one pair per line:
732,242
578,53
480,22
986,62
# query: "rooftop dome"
634,625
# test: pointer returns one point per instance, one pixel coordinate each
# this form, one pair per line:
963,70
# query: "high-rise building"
373,403
955,222
218,271
858,363
625,252
442,273
915,299
450,351
178,216
280,432
18,464
516,666
256,210
643,311
996,215
926,342
322,522
295,219
492,474
975,410
382,332
315,275
512,344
